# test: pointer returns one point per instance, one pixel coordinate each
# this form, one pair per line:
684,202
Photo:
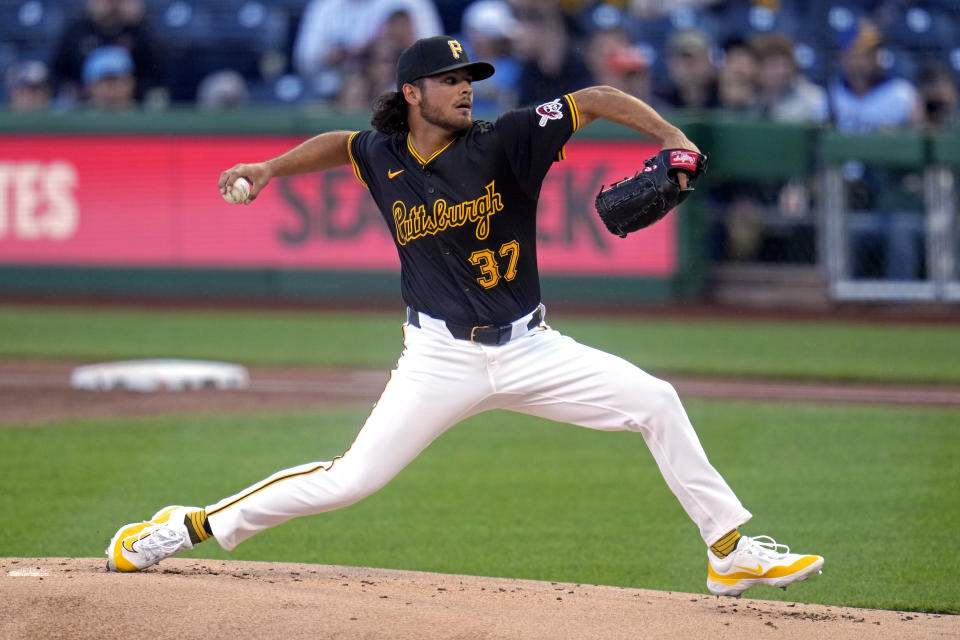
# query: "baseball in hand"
239,193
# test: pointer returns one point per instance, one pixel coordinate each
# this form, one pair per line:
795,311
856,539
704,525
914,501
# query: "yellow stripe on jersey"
418,156
574,112
574,117
353,161
413,151
320,466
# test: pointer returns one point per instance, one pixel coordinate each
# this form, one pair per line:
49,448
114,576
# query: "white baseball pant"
439,381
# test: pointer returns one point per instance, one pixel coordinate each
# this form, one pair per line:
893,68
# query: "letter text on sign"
38,200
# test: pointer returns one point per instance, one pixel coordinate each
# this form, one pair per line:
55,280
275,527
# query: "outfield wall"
127,204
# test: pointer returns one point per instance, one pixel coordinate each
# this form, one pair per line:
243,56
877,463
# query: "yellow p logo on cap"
455,48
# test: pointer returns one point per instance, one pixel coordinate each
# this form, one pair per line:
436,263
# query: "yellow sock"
197,526
725,545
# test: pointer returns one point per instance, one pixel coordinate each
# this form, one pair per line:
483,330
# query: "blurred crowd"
854,64
858,66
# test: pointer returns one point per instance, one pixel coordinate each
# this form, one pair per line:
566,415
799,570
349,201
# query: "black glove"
638,202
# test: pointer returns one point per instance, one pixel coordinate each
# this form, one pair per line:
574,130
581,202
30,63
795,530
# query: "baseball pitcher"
459,197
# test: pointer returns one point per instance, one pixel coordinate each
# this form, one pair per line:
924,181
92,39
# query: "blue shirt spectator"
886,241
108,78
864,98
107,22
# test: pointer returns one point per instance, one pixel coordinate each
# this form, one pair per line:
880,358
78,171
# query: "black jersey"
464,219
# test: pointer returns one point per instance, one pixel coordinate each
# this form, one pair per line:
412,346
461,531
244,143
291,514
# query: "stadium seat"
287,89
249,25
182,27
898,61
655,32
745,20
812,61
841,17
8,55
945,5
180,24
451,14
202,36
921,29
31,22
953,59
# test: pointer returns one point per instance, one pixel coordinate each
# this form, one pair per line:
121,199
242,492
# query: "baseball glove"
638,202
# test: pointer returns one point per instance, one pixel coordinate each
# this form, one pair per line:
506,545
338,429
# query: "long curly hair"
390,110
390,113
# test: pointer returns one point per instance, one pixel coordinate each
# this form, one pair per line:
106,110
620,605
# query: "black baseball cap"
430,56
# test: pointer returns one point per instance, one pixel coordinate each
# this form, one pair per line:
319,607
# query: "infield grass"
750,348
874,490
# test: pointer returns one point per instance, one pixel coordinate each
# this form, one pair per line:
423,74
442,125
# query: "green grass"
794,349
251,337
873,490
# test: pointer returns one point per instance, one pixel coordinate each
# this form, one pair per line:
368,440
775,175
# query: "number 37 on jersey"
496,266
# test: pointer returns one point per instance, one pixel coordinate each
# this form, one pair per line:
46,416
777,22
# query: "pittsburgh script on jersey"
415,222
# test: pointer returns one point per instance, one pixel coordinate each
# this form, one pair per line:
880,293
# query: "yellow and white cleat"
757,561
139,545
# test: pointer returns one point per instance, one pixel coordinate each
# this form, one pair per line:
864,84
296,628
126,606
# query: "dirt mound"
77,598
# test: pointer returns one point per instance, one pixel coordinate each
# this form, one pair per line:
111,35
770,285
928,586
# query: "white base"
160,375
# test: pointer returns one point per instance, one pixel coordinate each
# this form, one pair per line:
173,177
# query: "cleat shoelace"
766,547
159,543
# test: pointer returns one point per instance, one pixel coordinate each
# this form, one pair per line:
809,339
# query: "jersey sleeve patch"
548,111
353,160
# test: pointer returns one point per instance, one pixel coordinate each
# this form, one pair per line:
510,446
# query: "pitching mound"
77,598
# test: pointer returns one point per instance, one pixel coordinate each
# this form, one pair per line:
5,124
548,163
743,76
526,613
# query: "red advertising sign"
153,201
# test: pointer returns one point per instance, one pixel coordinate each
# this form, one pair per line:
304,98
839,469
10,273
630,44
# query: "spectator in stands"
399,30
28,85
551,65
864,98
742,226
333,33
614,60
354,93
398,33
692,80
108,78
888,241
786,95
222,90
367,75
487,29
936,106
108,22
737,87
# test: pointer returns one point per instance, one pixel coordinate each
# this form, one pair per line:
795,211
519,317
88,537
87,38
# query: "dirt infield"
33,392
76,598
